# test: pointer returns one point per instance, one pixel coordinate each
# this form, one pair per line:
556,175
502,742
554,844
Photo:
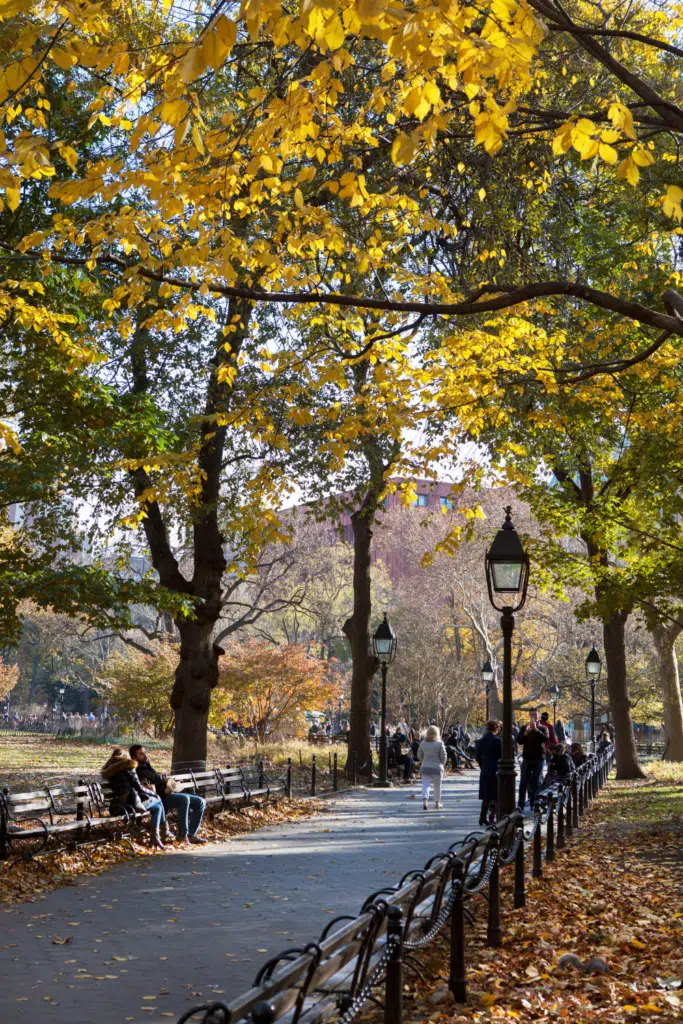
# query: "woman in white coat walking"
432,757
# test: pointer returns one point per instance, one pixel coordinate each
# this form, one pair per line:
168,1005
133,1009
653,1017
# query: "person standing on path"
533,742
432,757
559,731
489,750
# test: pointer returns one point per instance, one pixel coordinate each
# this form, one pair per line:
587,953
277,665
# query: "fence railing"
336,976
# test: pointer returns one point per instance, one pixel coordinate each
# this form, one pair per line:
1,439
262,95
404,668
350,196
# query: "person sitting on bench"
189,807
405,760
130,795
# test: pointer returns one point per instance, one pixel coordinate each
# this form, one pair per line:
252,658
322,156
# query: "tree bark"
357,630
619,700
197,672
664,636
195,678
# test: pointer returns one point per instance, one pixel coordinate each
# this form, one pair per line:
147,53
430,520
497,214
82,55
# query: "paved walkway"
154,936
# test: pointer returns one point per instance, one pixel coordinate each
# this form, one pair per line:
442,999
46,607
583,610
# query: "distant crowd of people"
58,721
547,752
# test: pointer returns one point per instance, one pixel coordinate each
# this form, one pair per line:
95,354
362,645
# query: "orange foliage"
270,687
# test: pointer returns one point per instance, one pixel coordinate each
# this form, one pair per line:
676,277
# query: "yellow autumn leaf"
192,65
174,111
227,32
642,157
333,34
13,197
627,169
608,153
298,199
432,93
488,999
197,139
672,205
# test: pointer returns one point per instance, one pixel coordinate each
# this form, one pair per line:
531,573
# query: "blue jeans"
190,811
529,781
157,814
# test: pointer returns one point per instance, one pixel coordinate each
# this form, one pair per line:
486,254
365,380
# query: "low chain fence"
355,958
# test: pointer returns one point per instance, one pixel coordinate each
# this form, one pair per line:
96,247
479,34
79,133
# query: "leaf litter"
28,880
610,907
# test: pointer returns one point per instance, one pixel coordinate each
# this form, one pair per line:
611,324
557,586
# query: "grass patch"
659,797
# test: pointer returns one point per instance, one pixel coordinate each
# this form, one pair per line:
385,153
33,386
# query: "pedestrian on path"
432,757
489,750
533,741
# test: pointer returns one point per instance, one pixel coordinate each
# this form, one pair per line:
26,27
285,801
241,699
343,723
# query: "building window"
446,503
422,500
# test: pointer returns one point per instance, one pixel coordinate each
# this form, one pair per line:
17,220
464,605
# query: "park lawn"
614,893
29,759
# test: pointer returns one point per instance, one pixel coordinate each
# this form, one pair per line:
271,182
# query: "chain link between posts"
361,998
438,924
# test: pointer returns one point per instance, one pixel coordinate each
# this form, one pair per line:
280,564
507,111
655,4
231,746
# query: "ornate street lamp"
487,676
507,573
555,694
593,670
384,644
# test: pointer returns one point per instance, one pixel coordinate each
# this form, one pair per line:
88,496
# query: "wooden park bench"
54,819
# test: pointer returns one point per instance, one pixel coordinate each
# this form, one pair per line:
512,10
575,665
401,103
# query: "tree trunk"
357,631
664,636
619,699
195,678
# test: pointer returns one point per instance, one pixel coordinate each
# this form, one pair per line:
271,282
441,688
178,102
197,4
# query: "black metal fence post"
261,773
550,831
569,818
494,932
335,780
80,804
4,814
579,803
314,772
393,995
288,782
520,891
537,869
457,979
560,821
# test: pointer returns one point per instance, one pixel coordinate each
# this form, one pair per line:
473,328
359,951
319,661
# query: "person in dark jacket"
561,763
559,731
395,748
488,752
130,795
533,741
188,806
577,754
604,742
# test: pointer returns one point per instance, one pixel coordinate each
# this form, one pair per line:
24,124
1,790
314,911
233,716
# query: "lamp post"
555,694
384,644
593,670
507,572
487,676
